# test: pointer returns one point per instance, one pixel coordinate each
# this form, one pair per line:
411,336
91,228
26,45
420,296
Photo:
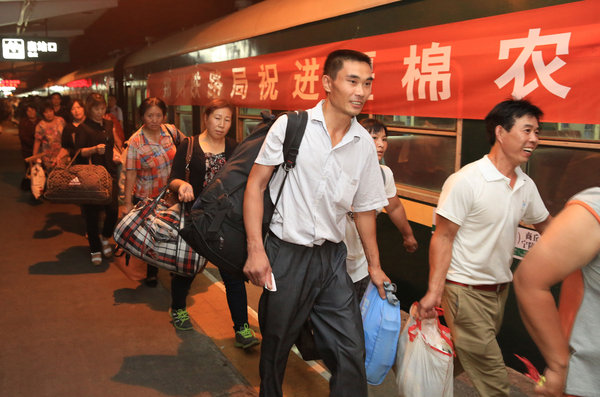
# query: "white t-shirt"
326,182
480,200
356,261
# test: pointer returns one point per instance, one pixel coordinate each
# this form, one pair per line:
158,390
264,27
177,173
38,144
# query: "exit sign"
31,49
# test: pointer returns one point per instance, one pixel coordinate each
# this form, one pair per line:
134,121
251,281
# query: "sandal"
107,249
96,258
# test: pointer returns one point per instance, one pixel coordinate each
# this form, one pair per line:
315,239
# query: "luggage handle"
74,157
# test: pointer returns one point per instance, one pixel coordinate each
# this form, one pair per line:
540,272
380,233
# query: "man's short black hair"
335,61
506,113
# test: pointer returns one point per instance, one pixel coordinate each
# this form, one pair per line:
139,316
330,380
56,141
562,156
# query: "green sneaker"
245,337
181,320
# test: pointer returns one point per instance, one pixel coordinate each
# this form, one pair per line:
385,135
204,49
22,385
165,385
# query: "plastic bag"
424,361
381,322
38,180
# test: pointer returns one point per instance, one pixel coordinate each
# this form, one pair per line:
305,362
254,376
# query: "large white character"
435,68
196,79
517,71
305,81
214,85
240,82
268,79
166,88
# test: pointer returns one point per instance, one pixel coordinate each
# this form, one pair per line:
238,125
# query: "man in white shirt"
336,170
470,253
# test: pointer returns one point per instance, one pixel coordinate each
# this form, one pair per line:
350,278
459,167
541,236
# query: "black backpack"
215,227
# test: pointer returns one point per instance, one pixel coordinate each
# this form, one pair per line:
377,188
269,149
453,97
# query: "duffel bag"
150,231
79,184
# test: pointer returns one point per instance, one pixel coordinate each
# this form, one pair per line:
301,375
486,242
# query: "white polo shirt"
326,183
480,200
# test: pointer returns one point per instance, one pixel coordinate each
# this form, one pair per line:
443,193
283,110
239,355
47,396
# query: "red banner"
550,56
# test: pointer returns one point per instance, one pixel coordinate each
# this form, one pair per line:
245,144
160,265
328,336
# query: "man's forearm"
367,230
440,255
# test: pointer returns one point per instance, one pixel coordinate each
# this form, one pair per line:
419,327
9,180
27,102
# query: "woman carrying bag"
94,139
68,136
150,153
48,133
211,149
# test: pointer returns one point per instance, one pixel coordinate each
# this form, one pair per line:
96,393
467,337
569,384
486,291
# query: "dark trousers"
312,282
235,290
91,214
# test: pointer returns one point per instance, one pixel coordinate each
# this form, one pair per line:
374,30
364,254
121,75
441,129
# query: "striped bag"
150,231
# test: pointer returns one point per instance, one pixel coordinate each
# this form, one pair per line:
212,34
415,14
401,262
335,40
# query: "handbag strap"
74,157
188,158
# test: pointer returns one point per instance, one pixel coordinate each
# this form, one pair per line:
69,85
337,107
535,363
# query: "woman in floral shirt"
48,135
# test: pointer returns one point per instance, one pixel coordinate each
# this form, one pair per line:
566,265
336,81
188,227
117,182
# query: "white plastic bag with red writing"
424,359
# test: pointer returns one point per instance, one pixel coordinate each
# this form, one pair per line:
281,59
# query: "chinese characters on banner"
458,70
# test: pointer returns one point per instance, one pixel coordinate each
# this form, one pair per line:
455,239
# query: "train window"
421,161
250,112
427,123
248,125
183,119
248,119
560,172
570,131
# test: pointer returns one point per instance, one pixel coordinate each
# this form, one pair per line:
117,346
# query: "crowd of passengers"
321,248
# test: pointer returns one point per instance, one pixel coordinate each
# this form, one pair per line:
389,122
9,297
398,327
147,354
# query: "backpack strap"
382,174
294,132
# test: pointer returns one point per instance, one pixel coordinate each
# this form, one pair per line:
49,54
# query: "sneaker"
181,320
96,258
245,337
107,249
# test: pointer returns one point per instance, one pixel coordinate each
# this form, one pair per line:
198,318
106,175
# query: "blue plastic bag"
381,323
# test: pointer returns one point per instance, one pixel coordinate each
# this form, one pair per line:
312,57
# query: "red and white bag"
424,360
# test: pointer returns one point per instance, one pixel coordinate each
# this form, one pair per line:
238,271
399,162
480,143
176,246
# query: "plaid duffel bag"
150,231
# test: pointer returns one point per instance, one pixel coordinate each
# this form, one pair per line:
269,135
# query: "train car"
439,67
